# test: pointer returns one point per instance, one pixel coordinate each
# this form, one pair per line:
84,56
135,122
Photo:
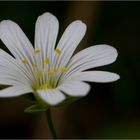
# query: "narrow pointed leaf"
69,100
35,109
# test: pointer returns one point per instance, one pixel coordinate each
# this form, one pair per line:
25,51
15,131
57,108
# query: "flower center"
42,87
46,75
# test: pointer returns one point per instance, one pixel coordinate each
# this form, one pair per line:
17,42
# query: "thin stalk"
50,124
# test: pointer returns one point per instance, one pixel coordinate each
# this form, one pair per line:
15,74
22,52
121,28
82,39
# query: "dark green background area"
110,110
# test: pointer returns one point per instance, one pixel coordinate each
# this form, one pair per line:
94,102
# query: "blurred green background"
110,110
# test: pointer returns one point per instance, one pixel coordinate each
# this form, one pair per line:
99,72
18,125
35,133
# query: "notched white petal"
15,91
51,96
15,40
11,69
75,88
95,76
92,57
69,41
46,31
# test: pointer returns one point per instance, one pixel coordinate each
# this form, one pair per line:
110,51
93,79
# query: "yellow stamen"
39,74
37,51
56,70
42,87
63,69
45,86
51,73
58,51
35,87
47,60
34,66
24,61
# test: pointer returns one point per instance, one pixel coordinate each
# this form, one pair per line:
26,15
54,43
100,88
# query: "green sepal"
36,108
69,100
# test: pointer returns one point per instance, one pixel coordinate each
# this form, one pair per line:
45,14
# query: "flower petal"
51,96
92,57
16,41
69,41
95,76
15,91
75,88
12,80
11,69
46,31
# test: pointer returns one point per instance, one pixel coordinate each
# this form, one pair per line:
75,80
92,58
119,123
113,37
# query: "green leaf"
35,109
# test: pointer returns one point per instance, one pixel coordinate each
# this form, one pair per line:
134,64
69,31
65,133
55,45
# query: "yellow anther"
37,51
24,61
51,73
45,86
47,60
42,87
35,87
39,74
63,69
58,51
56,70
34,66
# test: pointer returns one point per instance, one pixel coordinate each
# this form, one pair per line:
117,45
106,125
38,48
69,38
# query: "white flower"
51,73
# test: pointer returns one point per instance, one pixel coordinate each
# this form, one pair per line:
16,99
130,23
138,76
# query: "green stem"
50,124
